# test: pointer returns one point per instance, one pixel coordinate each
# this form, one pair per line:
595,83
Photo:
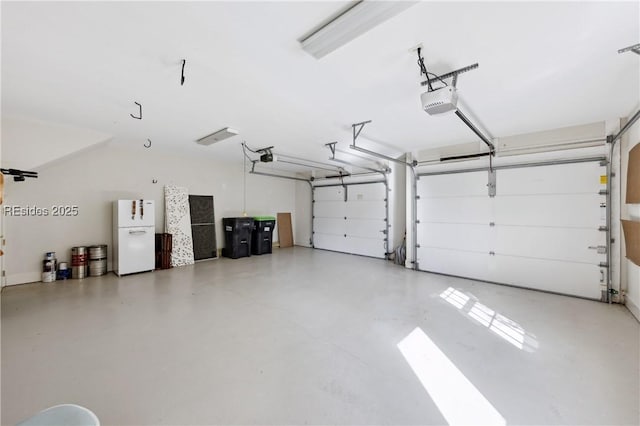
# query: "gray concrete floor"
306,336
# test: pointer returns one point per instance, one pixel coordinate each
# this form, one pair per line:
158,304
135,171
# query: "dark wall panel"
203,226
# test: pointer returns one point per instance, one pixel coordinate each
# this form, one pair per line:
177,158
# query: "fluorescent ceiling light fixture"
356,20
222,134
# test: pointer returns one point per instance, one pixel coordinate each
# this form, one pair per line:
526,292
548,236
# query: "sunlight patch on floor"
507,329
458,400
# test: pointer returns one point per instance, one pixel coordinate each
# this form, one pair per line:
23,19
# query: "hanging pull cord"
244,182
423,69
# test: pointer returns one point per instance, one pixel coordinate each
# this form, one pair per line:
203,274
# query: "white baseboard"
633,308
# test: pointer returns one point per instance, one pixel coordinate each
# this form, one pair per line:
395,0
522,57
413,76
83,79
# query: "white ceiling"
543,65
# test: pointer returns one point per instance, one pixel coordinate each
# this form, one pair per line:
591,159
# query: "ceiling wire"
423,70
244,180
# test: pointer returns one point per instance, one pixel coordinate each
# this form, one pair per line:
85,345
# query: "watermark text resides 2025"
55,210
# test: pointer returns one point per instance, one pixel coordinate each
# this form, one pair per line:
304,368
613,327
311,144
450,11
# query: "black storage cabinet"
262,237
237,236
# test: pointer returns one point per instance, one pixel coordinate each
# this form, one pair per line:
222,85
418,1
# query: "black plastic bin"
262,237
237,236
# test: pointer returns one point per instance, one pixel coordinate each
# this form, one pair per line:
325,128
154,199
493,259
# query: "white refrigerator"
133,236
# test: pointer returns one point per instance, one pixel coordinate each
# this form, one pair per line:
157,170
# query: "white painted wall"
93,179
630,272
302,215
397,204
410,194
33,143
2,278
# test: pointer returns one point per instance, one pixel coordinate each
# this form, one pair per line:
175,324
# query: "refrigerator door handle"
142,231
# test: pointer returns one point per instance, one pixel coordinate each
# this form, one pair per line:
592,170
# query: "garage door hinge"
613,174
417,221
603,265
492,253
417,245
603,192
417,197
603,228
613,291
603,163
599,249
492,224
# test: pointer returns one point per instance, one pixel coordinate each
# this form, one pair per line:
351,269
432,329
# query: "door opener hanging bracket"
635,49
353,146
332,147
359,126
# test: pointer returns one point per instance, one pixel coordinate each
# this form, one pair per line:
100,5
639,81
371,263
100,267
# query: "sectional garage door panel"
454,210
540,231
565,244
330,209
366,228
330,226
455,236
366,247
579,279
576,178
454,185
329,242
455,262
366,192
369,209
557,210
455,198
353,225
329,193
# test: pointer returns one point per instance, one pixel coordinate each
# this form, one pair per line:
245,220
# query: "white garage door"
536,232
350,219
